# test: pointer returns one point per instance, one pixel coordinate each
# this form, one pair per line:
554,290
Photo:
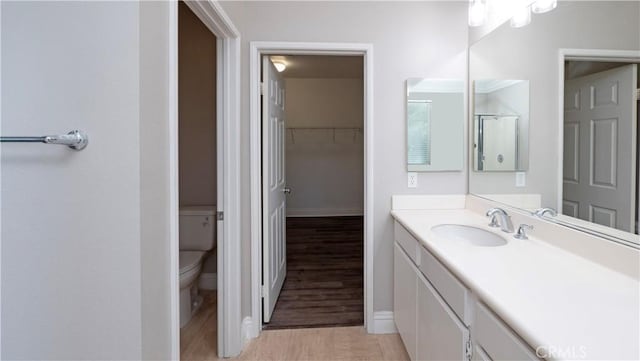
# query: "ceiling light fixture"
521,16
280,66
542,6
477,13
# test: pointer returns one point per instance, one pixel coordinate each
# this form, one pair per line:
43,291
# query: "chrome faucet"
505,220
522,233
542,211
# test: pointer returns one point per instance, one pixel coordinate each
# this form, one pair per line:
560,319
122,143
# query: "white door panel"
600,143
273,183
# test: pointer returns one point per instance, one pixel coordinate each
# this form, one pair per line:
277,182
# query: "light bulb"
521,17
477,13
542,6
280,67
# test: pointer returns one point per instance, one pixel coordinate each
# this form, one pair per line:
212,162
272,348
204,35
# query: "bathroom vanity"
527,299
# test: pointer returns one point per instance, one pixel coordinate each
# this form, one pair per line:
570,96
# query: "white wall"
324,167
531,53
315,102
410,39
71,269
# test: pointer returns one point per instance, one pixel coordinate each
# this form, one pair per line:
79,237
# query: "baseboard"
323,212
208,281
249,330
383,322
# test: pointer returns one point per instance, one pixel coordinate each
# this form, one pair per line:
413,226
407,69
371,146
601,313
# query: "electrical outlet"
412,180
521,179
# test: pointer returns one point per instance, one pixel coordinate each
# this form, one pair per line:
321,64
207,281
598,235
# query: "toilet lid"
189,260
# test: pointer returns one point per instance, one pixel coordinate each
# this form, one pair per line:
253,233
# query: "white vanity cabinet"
428,326
405,280
438,318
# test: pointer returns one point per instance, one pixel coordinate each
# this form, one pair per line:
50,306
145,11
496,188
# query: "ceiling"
321,66
575,69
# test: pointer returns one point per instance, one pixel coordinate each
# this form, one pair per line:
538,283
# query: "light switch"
412,180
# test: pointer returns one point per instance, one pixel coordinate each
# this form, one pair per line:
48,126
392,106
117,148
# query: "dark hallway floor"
324,284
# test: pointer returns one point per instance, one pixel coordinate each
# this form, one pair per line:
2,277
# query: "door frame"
256,50
564,54
228,175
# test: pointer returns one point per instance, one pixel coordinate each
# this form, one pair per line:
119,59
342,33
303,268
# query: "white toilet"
197,237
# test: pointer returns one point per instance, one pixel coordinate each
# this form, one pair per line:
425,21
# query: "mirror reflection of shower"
501,125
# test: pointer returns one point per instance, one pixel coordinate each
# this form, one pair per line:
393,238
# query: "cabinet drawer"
496,339
408,243
452,290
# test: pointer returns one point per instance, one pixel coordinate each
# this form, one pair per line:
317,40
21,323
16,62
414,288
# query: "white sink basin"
473,235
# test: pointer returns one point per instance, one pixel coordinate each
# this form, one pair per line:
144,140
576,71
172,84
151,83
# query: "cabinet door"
440,334
496,338
404,298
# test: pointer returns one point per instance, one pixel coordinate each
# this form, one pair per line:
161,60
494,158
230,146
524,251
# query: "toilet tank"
197,228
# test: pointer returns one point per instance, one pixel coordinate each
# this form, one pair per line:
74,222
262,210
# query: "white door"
274,252
71,220
599,166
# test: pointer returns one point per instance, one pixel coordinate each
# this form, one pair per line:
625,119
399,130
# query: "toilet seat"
189,260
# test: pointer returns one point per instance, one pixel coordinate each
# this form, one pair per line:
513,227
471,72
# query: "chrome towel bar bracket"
75,139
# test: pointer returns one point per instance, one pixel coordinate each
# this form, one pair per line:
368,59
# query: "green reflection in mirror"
419,134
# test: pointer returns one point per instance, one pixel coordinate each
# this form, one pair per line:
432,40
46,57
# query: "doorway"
262,232
600,142
316,190
197,178
232,331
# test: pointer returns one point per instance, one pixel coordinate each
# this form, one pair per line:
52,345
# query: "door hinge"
220,215
637,94
263,290
261,87
468,349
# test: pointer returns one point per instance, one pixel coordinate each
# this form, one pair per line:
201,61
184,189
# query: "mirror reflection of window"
419,125
435,124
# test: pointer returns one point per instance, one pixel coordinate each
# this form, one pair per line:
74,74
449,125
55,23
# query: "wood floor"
324,284
325,281
199,337
335,343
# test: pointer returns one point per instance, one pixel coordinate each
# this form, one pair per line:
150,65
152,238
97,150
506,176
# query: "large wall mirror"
435,124
580,64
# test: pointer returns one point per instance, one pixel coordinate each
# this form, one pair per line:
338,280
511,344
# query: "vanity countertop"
550,297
